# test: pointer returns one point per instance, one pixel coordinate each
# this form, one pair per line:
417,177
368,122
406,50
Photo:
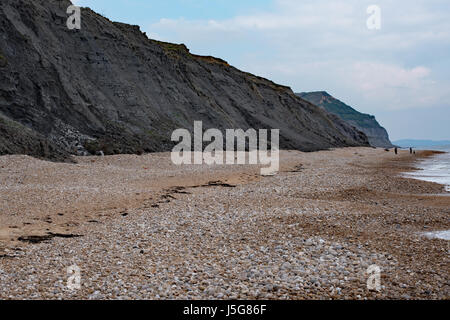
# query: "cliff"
377,135
109,87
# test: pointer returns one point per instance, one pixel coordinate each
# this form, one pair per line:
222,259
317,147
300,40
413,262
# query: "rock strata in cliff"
108,87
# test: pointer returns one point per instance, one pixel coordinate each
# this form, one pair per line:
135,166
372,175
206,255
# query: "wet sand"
140,227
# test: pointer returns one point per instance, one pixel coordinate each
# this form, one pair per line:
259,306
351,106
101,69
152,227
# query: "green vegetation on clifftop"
367,123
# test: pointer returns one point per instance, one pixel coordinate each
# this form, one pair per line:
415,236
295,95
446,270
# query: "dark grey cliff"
377,135
108,87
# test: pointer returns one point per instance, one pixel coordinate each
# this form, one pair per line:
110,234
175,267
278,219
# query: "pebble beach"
139,227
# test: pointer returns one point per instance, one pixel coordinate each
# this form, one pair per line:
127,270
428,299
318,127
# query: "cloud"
394,87
289,15
315,45
370,77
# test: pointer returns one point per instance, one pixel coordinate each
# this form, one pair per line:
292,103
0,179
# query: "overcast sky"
400,73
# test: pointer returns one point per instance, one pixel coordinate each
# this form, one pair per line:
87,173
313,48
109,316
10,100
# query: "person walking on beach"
396,150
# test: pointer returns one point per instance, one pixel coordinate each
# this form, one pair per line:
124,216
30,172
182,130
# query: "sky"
399,72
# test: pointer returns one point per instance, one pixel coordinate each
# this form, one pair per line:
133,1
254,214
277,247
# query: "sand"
139,227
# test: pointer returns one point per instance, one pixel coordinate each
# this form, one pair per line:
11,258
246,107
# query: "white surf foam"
445,235
434,169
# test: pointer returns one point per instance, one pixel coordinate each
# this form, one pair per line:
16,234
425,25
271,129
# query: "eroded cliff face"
377,135
108,87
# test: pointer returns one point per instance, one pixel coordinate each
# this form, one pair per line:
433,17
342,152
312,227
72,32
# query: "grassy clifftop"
367,123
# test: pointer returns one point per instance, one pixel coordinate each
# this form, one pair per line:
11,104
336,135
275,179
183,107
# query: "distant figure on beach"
410,150
396,150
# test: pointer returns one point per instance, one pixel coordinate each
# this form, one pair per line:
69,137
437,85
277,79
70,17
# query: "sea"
435,169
